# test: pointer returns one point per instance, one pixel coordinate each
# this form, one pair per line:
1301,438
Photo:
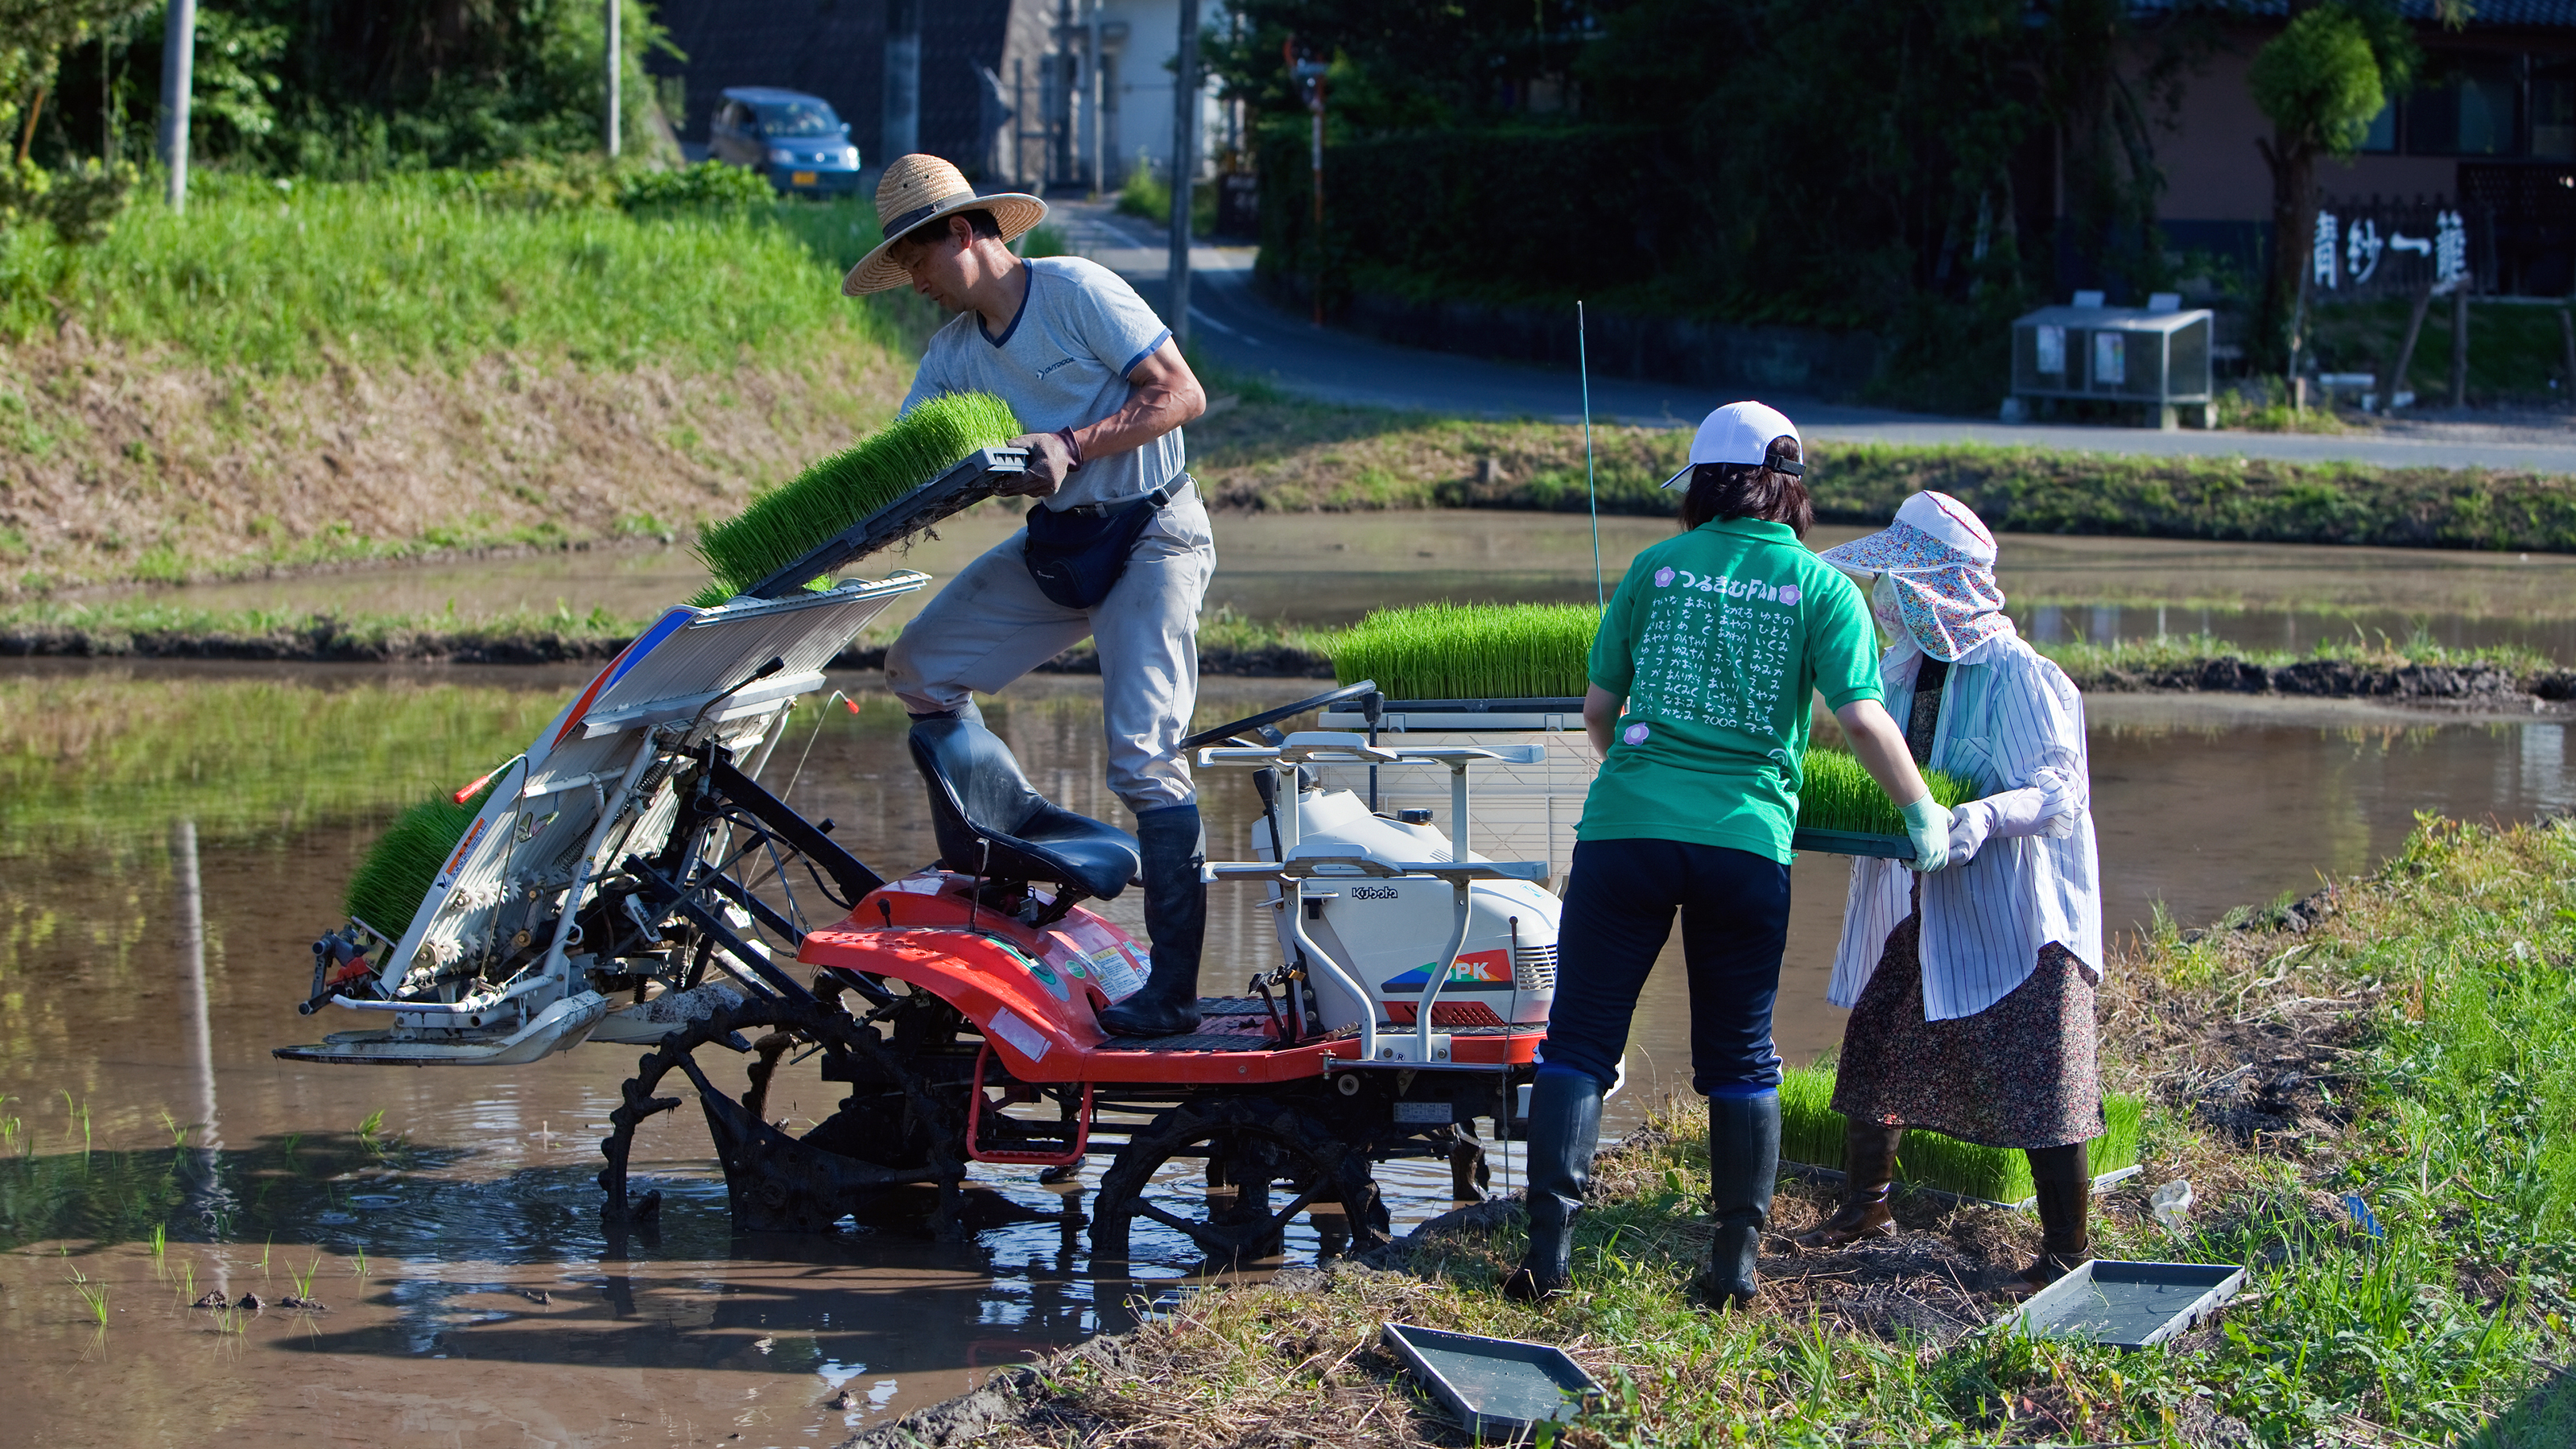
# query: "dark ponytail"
1744,490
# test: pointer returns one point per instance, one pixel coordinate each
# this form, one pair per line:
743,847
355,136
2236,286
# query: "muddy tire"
1249,1167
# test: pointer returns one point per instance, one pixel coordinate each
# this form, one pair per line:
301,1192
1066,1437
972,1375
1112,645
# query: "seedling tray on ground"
1852,842
1495,1386
2128,1305
1813,1173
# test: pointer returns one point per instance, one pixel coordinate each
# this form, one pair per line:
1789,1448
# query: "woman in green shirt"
1702,678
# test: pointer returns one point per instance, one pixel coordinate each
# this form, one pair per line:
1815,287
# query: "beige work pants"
990,625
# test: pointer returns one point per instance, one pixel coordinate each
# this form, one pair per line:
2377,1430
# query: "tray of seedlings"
1495,1387
942,457
1841,810
1471,667
1811,1144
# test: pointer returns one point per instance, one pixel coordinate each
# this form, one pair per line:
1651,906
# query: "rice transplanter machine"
629,880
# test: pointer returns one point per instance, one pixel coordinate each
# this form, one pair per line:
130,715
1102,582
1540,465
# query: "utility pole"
178,75
901,132
612,53
1310,74
1099,176
1185,166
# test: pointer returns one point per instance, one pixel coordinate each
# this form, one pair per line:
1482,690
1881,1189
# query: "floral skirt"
2021,1073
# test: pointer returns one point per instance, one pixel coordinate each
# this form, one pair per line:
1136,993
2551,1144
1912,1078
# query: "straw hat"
920,188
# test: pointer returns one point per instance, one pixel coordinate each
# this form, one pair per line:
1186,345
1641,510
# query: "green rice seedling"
178,1130
93,1294
358,1268
304,1280
264,1250
387,887
1470,651
1811,1131
160,1244
792,520
188,1281
1838,794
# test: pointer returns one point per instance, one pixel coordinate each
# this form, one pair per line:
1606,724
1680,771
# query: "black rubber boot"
1173,847
1743,1168
1564,1127
2062,1178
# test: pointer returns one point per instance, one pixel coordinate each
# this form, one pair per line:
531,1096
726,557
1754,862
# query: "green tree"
2319,82
33,36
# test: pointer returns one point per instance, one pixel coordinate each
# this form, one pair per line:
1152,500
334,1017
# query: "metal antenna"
1583,366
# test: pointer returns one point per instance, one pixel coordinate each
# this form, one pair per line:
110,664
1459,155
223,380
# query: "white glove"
1970,824
1927,825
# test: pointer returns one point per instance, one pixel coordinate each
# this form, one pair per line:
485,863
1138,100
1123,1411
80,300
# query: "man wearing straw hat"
1117,548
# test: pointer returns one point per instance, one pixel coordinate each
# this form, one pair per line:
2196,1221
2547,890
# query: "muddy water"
1330,568
428,1233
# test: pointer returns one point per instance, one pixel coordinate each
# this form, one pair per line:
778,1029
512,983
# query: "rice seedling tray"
1494,1386
1852,842
968,482
1547,712
2128,1305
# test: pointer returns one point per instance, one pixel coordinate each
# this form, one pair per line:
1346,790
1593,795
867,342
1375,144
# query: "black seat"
990,821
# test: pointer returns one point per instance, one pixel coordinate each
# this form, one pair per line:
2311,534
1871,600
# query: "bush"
81,203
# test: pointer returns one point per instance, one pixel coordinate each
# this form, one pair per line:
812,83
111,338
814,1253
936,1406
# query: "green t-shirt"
1716,639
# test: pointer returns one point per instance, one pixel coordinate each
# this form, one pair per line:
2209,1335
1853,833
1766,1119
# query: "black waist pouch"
1077,557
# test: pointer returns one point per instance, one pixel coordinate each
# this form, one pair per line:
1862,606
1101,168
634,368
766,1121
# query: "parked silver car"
796,140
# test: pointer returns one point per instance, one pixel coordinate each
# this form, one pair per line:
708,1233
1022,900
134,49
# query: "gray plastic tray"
1494,1385
2128,1305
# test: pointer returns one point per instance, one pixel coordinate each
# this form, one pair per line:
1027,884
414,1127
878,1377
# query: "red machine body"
1035,991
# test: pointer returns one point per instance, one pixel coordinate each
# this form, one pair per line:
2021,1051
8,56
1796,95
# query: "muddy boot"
1564,1127
2064,1181
1869,1171
1743,1167
1172,848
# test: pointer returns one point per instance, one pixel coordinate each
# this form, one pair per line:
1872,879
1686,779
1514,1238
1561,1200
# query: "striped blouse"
2011,721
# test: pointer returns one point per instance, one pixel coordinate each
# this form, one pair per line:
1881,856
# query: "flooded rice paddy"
172,838
1325,569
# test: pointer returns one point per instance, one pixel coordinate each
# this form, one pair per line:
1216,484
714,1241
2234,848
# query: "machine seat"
990,821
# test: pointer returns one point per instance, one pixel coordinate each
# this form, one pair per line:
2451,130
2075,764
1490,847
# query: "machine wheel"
778,1183
1253,1153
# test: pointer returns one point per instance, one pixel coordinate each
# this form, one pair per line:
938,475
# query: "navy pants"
1619,904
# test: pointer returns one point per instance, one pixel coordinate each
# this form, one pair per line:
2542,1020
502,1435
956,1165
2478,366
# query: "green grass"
1811,1131
2085,661
435,268
386,888
2455,970
790,521
1470,651
1838,794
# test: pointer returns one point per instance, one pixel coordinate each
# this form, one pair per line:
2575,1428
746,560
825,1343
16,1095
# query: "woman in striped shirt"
1972,990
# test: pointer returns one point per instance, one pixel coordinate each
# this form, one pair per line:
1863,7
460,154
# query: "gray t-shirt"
1062,363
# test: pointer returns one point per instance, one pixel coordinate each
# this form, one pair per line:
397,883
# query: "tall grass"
1811,1131
1471,651
799,516
431,268
1838,794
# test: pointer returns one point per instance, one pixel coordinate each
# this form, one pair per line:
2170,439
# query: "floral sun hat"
1938,559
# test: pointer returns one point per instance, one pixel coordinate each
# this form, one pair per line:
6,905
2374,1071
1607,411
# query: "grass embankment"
2409,1039
329,373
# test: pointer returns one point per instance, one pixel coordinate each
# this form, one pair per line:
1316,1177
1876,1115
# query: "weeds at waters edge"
2408,1039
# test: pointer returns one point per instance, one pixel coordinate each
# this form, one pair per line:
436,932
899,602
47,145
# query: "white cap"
1740,433
1947,519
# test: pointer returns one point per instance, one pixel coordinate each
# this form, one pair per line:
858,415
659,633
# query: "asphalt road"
1233,324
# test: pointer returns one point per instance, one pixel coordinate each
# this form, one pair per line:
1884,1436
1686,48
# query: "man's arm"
1167,395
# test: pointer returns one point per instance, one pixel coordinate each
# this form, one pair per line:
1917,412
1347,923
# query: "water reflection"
125,991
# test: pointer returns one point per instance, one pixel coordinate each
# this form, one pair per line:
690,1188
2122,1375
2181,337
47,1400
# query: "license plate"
800,178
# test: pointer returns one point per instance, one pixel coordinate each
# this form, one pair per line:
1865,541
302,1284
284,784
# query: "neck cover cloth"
1936,576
